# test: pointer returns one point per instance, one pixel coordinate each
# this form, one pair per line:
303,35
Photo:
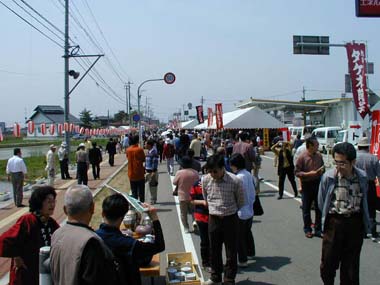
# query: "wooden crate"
181,258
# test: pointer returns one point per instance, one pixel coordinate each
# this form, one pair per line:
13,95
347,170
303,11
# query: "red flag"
31,127
219,116
209,117
357,69
1,135
375,142
200,114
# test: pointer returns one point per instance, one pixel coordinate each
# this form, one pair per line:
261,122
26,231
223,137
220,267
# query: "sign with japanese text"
200,117
209,117
375,138
219,116
368,8
357,69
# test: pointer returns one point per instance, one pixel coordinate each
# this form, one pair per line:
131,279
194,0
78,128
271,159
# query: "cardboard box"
182,259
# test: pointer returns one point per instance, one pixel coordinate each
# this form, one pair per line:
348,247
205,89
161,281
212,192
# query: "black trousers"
310,195
223,230
111,158
245,235
372,197
138,190
64,166
205,243
95,170
341,247
82,173
288,171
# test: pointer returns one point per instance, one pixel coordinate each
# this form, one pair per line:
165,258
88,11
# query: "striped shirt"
224,197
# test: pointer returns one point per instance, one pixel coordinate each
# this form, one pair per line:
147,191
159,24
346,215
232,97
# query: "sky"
223,50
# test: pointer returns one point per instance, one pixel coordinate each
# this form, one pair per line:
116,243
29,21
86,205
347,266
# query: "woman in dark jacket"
22,242
285,167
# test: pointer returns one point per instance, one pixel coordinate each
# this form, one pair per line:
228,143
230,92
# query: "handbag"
257,208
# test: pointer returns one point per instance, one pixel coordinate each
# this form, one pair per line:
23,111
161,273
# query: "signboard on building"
368,8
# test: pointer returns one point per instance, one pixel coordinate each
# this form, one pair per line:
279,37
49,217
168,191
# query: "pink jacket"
185,179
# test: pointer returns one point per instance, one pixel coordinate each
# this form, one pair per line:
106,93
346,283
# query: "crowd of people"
218,196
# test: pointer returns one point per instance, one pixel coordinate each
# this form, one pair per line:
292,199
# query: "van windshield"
340,137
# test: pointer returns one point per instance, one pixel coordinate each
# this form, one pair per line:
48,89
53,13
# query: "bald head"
78,200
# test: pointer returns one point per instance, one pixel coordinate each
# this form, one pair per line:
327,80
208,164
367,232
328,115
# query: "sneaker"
195,225
210,282
250,257
318,234
243,264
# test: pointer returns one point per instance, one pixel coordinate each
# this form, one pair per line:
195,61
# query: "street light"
169,78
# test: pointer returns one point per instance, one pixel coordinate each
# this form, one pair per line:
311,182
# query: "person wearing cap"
370,164
63,156
82,164
50,164
168,154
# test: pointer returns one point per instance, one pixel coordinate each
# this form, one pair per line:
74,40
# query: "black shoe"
279,197
69,177
21,206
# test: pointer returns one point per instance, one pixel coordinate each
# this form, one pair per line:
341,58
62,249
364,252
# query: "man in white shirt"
50,165
16,170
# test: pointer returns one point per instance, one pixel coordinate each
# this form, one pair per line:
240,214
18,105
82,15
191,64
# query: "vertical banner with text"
209,117
375,149
200,114
219,116
357,69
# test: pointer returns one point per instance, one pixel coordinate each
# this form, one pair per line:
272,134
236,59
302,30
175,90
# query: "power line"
30,24
39,14
30,14
104,38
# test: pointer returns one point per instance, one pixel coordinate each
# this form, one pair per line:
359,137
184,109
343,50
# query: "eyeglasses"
340,162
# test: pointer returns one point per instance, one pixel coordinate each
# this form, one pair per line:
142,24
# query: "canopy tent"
248,118
189,124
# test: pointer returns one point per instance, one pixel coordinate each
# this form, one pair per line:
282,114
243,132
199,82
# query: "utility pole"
202,101
127,87
66,76
303,93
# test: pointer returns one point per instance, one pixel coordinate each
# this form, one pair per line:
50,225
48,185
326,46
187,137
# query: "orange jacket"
136,159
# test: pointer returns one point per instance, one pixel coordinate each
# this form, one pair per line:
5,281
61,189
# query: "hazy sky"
223,50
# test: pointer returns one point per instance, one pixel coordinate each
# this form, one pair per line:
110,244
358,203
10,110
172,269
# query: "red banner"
285,134
60,129
357,69
209,117
375,138
367,8
219,116
200,117
1,135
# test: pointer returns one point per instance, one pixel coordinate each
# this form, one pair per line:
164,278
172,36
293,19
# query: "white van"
301,130
326,137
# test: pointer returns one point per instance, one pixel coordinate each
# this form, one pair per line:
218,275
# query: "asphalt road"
283,254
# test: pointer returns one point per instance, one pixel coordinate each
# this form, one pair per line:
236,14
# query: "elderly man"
16,170
50,165
78,254
63,156
370,164
224,195
342,199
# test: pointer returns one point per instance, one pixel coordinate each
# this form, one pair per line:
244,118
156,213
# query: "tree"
120,116
86,118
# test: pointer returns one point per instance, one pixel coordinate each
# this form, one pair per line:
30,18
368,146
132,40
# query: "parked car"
326,137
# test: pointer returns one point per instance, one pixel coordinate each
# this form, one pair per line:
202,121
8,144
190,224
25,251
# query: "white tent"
189,124
249,118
